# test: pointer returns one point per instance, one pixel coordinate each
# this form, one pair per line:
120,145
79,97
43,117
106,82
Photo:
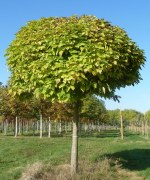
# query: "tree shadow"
136,159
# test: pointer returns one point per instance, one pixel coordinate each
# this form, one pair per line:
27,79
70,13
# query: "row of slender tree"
18,115
33,115
132,119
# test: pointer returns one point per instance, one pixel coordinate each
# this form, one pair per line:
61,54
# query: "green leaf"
60,53
115,62
95,85
103,89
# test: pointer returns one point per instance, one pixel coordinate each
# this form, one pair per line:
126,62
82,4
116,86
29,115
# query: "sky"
131,15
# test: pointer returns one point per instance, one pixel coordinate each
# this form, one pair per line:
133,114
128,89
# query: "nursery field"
102,156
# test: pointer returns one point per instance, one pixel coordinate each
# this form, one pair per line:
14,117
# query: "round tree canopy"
68,57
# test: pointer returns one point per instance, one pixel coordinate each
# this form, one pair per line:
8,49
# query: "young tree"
64,59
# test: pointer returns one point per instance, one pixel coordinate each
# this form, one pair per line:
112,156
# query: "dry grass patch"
105,169
40,171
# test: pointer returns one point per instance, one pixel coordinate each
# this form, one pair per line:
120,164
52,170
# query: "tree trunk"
66,126
60,127
44,126
74,151
22,126
146,129
16,127
33,127
27,125
41,125
55,126
19,127
37,125
99,127
5,126
49,128
93,126
121,125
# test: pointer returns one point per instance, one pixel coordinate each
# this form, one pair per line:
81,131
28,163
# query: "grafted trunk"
74,151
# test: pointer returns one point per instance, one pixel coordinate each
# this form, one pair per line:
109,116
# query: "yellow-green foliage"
65,58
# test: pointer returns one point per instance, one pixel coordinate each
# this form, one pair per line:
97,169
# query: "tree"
147,115
114,117
93,110
64,59
121,125
134,119
147,122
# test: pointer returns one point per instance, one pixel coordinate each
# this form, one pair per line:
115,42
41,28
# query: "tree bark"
16,127
146,129
41,126
27,125
55,126
22,126
5,126
37,126
66,127
60,127
74,151
19,127
33,127
49,128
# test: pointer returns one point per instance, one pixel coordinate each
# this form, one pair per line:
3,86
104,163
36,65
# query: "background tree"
147,115
64,59
93,111
133,119
114,117
147,123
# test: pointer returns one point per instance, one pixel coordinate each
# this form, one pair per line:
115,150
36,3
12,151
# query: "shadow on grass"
136,159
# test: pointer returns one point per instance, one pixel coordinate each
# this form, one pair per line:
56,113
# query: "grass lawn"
132,153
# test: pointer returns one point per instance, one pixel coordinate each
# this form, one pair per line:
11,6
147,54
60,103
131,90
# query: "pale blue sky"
131,15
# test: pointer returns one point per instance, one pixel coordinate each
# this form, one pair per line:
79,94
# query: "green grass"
133,153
